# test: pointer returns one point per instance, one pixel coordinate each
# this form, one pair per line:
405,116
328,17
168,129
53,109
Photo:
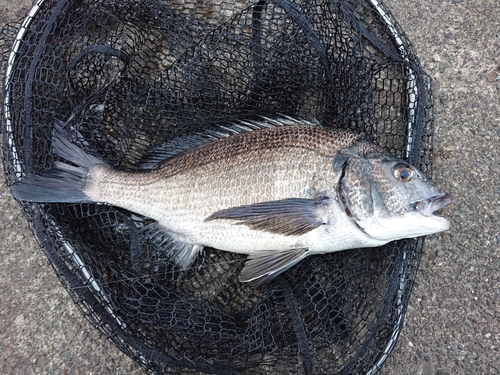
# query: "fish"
277,189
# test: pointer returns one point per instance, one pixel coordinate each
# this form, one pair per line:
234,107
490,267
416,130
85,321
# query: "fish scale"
278,190
207,188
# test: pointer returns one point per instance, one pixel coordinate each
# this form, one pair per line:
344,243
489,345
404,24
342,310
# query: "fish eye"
403,172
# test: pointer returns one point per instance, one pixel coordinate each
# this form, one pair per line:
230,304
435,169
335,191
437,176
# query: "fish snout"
432,204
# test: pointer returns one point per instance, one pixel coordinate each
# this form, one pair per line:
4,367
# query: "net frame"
94,301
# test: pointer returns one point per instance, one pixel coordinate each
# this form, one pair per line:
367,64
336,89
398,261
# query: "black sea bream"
278,190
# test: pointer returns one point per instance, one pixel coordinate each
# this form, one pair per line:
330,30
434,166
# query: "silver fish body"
279,190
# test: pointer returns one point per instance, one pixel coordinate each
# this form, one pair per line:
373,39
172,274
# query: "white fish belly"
339,233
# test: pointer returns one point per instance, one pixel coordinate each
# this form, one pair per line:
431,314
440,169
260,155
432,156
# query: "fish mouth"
432,204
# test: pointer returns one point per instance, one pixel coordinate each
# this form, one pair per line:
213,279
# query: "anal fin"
177,249
267,264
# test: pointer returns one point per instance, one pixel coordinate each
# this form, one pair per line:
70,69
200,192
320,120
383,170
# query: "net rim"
412,93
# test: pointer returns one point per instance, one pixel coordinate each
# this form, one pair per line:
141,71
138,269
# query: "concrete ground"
453,320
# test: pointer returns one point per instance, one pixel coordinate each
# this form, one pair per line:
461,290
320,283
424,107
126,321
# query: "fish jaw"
420,221
432,204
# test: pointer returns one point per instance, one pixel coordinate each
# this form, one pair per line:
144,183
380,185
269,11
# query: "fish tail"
64,182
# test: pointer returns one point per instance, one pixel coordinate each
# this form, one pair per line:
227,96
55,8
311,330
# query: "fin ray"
162,152
265,265
293,216
181,252
63,183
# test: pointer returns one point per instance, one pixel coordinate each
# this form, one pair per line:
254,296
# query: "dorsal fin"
165,151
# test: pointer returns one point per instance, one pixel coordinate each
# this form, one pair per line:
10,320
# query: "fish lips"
429,206
420,222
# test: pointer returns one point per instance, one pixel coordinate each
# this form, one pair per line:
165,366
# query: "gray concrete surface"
453,321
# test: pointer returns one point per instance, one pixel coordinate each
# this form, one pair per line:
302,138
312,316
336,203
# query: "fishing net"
128,76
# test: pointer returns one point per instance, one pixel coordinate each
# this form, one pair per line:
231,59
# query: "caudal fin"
62,183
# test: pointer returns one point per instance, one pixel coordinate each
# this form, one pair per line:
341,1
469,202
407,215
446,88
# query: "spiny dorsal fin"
179,145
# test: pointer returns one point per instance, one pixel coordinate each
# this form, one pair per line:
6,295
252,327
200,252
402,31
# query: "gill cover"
357,189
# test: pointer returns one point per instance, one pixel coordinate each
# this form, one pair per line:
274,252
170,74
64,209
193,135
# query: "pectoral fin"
266,265
293,216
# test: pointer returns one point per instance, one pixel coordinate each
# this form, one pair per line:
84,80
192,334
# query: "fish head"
388,198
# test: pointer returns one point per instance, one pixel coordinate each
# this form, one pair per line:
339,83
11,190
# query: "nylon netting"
132,75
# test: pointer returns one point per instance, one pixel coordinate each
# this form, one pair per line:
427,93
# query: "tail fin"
62,183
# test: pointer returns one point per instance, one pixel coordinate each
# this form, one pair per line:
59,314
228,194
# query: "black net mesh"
135,74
